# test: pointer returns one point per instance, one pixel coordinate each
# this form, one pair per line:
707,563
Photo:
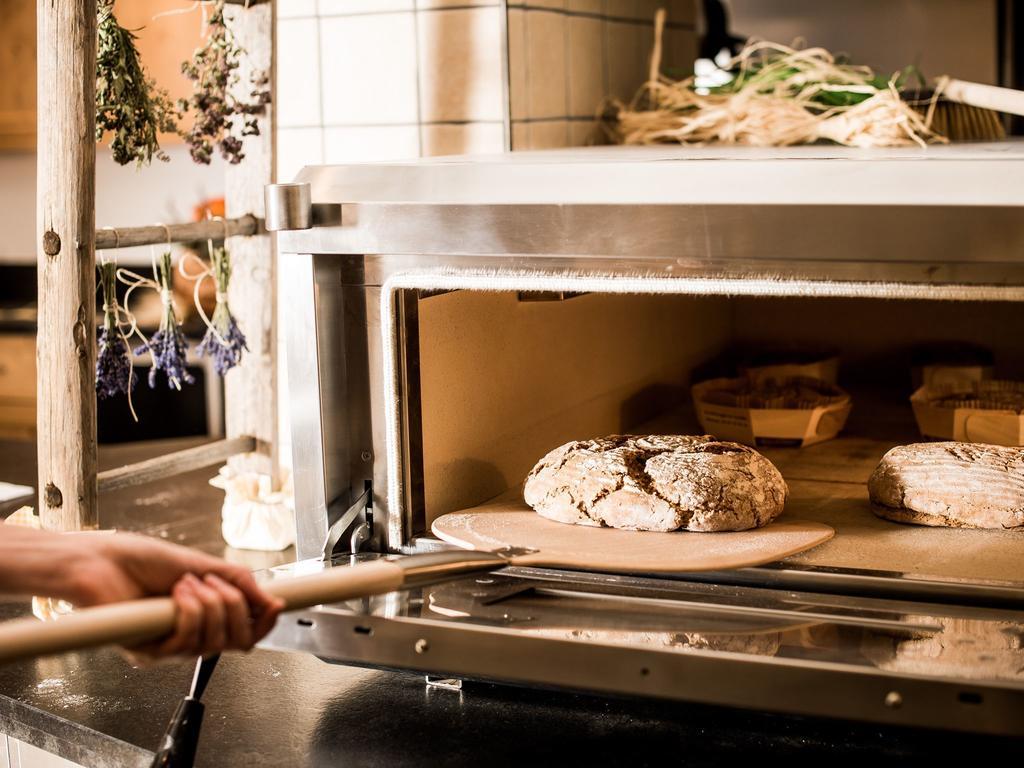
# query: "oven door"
882,660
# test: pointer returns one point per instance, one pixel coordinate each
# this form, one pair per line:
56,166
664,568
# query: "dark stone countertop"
290,709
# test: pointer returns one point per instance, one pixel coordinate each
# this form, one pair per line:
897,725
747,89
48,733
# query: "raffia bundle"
780,96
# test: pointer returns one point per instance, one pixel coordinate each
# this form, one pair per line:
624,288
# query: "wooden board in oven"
508,521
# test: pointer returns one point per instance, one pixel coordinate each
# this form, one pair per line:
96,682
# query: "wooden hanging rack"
66,341
156,234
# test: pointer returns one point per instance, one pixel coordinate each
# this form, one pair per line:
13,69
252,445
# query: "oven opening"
504,377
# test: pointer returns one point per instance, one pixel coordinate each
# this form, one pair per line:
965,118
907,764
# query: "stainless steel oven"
451,320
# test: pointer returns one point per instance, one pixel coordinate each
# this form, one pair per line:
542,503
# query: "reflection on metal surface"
954,667
963,648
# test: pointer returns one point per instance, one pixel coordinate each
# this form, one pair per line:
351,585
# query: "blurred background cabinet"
18,74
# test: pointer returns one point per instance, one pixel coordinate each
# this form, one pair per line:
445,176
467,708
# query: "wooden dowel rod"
175,463
127,237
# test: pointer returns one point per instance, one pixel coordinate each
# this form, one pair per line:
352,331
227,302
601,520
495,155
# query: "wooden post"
65,222
251,387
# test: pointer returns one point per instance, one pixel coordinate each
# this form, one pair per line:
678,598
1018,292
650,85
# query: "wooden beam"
65,223
251,387
127,237
171,464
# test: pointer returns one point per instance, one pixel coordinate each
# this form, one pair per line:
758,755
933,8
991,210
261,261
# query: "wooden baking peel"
540,542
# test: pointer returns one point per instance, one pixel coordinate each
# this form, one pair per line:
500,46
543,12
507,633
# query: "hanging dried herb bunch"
128,104
114,373
167,345
224,340
221,119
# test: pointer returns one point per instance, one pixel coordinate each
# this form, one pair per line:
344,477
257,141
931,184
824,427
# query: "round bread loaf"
958,485
657,483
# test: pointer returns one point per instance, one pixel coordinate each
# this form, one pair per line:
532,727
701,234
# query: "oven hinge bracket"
362,533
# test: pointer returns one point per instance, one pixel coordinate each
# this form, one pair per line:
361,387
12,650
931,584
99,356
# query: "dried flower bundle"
213,71
128,104
224,340
114,373
778,96
167,346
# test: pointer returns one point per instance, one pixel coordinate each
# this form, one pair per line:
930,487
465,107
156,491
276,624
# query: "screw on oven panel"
893,700
422,646
365,455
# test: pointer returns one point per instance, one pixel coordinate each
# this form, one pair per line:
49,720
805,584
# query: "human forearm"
38,562
218,604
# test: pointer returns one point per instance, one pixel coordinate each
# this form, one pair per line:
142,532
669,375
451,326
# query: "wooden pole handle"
137,621
990,97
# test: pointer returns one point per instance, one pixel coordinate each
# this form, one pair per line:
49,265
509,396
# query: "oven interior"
504,377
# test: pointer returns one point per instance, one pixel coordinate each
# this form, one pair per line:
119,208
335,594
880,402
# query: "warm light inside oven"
504,380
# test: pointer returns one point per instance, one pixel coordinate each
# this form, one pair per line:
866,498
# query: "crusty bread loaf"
959,485
657,483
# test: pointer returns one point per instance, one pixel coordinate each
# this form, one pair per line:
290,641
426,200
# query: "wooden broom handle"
137,621
985,96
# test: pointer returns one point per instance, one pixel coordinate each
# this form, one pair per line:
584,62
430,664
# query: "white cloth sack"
253,516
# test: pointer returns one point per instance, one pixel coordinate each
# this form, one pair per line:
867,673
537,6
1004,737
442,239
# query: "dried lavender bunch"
167,346
128,105
114,374
213,71
224,340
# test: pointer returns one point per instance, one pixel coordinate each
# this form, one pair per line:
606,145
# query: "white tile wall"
290,8
517,57
299,102
468,139
549,135
447,3
628,47
586,72
607,45
298,147
634,9
361,80
460,65
368,68
364,144
547,91
343,7
586,6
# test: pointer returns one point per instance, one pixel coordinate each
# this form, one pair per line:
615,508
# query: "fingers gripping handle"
138,621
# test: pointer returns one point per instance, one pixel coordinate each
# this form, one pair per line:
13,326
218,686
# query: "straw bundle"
779,96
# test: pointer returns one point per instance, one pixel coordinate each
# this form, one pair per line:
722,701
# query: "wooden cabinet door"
18,74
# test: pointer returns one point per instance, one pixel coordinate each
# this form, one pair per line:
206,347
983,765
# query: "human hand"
219,605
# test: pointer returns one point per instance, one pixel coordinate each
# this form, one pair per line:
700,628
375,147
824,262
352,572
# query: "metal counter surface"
280,709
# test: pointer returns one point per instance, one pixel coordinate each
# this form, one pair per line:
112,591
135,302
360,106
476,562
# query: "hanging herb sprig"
128,105
167,345
221,119
224,341
114,372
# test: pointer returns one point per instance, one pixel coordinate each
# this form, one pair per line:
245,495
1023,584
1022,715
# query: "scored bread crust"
657,483
956,485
